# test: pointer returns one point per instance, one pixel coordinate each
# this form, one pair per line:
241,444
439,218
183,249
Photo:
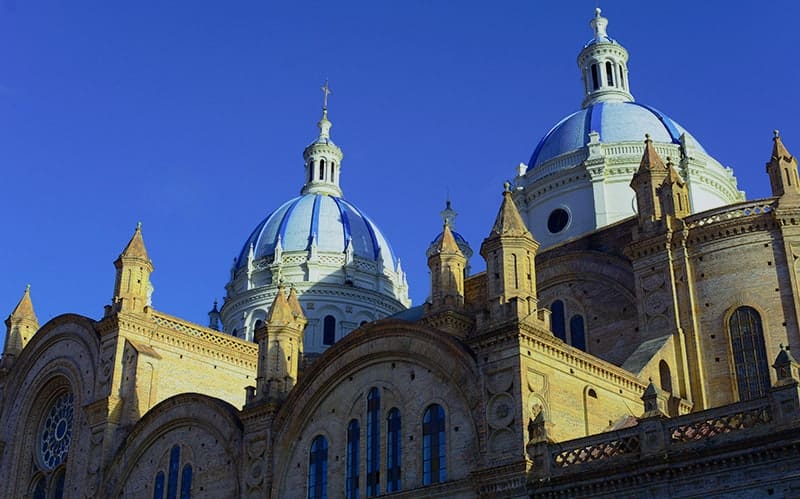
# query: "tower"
673,194
646,182
323,158
509,251
782,170
447,265
132,288
280,347
21,325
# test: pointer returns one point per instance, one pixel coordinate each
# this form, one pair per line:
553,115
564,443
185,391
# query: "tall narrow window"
393,450
318,469
158,488
373,442
434,446
749,353
577,333
174,465
557,320
328,330
516,272
353,445
322,169
311,171
666,376
39,489
186,482
595,80
610,74
621,77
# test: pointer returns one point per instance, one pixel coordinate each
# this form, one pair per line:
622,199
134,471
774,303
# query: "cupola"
603,63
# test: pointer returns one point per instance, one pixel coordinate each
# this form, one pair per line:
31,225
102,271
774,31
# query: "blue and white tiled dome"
329,222
614,122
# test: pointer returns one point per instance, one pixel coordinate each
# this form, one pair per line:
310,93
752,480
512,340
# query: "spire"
603,63
21,325
508,221
448,242
135,247
322,157
280,313
213,317
782,170
132,288
650,161
294,304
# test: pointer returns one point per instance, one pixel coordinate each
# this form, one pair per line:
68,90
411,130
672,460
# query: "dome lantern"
603,63
323,158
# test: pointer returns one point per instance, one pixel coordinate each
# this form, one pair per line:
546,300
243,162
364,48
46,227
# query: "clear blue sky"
192,116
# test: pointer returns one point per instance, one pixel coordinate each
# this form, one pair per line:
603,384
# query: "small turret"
673,194
782,170
646,182
510,251
447,265
21,325
280,347
213,317
132,288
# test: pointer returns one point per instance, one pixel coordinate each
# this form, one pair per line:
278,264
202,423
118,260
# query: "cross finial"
326,90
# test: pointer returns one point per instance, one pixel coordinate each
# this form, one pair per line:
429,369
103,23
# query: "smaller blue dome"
458,237
330,221
614,121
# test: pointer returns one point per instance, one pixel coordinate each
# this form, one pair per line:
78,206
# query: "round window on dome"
557,221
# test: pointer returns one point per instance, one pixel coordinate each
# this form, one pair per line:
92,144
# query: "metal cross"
326,91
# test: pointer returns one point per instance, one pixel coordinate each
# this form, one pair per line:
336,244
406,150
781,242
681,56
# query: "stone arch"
62,356
410,354
202,425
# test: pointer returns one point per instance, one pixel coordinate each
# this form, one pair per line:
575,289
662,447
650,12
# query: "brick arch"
203,425
414,349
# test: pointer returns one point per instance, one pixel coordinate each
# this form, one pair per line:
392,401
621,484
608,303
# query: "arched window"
393,450
311,171
610,74
353,446
39,488
58,483
595,79
434,446
666,376
328,330
158,487
577,333
749,353
318,469
186,482
174,466
322,169
257,325
557,320
373,442
621,77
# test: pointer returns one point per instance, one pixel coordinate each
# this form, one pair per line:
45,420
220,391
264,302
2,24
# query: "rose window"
56,432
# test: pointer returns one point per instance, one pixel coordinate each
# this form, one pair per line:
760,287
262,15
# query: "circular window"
56,433
558,219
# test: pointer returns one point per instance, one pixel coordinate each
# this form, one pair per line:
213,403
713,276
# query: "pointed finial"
598,24
27,288
506,186
597,11
647,137
776,134
138,225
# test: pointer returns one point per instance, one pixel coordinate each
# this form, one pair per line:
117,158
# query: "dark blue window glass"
373,443
40,489
58,484
353,446
434,447
328,330
393,455
557,320
186,482
158,487
749,353
577,332
318,469
174,465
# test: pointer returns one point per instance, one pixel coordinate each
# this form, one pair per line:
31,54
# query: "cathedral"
629,337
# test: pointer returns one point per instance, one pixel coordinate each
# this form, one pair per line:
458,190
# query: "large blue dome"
329,220
614,121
